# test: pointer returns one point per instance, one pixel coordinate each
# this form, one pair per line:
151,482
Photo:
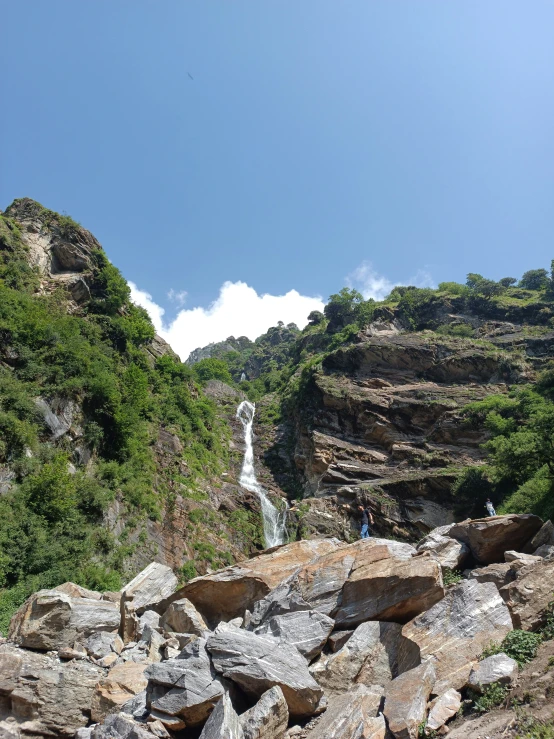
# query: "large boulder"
389,590
489,538
122,683
268,719
450,553
103,643
183,691
528,596
49,697
455,631
308,631
256,664
406,701
145,592
51,619
369,657
230,592
499,668
352,716
544,537
223,723
182,617
117,726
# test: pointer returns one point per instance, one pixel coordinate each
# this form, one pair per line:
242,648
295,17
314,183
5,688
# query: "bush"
519,645
493,695
451,577
534,279
212,369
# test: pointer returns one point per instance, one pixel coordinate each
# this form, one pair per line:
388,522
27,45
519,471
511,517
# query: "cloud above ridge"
373,285
237,311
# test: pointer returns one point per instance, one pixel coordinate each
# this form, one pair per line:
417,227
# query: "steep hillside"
111,453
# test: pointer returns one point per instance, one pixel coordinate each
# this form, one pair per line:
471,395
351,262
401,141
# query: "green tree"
212,369
348,307
534,279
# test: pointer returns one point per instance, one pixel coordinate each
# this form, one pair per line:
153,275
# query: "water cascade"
274,520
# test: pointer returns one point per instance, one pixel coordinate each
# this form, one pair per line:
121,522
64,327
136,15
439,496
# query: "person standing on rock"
490,508
367,519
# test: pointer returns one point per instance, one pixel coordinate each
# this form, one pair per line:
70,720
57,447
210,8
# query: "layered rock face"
280,656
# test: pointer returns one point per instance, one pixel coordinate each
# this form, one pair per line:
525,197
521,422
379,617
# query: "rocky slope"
314,639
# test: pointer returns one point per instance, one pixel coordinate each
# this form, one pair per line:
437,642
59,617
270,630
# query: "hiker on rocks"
490,508
367,520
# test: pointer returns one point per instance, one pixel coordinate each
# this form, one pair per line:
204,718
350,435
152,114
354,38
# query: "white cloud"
177,296
373,285
237,311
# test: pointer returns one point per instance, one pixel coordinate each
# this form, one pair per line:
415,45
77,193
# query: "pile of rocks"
312,639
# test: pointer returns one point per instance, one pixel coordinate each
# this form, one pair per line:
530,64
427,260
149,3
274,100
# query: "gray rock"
511,555
223,722
499,668
369,657
50,619
450,554
545,536
338,639
58,415
352,716
546,551
308,631
103,643
488,538
268,719
182,616
151,586
84,733
257,664
136,706
120,726
186,687
406,701
148,618
443,708
455,631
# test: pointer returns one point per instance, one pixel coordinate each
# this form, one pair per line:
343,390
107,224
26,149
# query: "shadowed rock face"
489,538
528,596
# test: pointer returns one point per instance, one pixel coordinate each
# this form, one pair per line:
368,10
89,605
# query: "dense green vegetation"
51,518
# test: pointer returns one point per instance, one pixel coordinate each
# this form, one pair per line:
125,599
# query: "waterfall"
274,521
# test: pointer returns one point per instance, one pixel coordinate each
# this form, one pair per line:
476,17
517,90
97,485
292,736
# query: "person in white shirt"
490,508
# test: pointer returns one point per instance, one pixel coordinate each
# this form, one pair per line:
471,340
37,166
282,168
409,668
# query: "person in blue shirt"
367,521
490,508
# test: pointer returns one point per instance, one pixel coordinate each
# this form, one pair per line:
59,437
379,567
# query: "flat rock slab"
369,657
500,574
389,590
185,688
257,664
455,631
406,701
499,668
308,631
268,719
489,538
51,619
352,716
528,596
223,723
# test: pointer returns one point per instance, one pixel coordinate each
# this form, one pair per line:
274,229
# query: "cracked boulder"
454,632
369,657
182,692
308,631
489,538
51,619
256,664
182,617
223,722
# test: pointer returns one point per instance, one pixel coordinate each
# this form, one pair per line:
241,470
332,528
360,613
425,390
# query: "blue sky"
389,141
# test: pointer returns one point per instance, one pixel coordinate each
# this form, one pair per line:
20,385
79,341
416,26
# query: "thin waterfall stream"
274,520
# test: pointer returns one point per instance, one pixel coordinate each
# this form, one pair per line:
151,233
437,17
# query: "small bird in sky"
190,75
